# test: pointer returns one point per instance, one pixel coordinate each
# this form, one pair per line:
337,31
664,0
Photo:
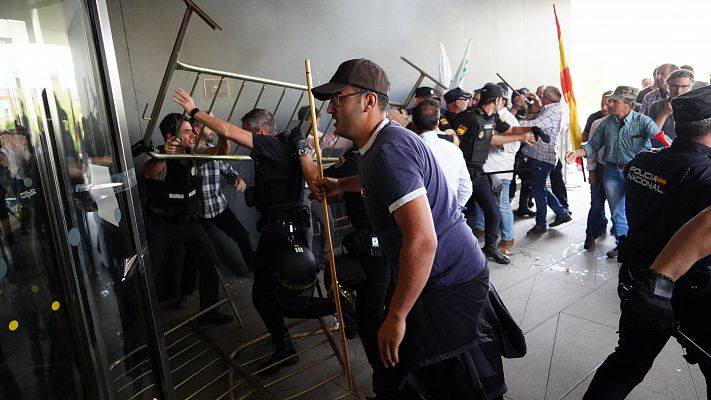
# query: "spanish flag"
566,83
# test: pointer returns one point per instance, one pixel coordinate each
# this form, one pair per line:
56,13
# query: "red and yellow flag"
566,83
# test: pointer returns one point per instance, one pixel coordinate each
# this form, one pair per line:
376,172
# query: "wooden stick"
327,230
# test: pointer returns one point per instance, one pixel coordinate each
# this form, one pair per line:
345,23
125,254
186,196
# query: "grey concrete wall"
271,38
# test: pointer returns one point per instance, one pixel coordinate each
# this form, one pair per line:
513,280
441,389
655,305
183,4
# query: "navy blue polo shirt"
396,167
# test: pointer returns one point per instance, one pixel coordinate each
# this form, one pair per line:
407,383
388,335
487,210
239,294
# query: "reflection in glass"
70,318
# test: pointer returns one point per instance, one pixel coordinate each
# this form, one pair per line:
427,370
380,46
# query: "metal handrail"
227,157
216,72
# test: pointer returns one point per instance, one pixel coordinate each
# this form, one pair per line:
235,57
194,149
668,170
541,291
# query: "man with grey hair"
697,84
543,157
679,82
662,92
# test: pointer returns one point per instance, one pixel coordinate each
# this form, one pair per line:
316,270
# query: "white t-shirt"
451,161
501,158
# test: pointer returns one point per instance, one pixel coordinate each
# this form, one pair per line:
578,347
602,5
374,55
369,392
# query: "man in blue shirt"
624,133
441,274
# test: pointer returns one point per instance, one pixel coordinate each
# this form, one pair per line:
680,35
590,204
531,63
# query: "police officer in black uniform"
475,129
171,215
364,246
280,164
665,189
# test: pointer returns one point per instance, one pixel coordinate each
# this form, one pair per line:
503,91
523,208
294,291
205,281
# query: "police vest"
177,193
278,187
480,141
649,177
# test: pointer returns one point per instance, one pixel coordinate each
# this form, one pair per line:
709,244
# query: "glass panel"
71,307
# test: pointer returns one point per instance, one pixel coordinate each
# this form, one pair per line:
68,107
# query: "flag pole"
327,230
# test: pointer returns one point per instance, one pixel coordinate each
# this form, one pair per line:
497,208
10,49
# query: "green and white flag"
458,79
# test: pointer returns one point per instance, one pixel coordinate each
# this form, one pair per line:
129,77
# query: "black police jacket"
279,182
177,194
665,189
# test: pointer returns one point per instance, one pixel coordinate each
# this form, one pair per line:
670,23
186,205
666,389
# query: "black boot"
490,251
284,355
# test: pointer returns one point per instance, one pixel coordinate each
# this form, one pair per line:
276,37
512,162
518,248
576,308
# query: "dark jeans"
163,238
270,248
558,185
543,196
633,357
596,214
228,223
484,196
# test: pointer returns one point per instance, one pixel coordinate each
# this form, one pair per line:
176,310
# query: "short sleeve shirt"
396,167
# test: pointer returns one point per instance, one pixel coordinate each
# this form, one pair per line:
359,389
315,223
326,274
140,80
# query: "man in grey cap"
624,133
441,278
665,189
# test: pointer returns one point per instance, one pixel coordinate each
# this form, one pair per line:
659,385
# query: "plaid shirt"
549,120
624,140
650,98
212,201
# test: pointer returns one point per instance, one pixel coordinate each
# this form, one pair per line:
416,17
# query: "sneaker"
612,253
589,243
280,358
215,318
479,233
537,230
560,220
525,212
348,310
495,254
505,246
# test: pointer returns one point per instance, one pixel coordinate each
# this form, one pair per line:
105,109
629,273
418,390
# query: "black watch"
193,112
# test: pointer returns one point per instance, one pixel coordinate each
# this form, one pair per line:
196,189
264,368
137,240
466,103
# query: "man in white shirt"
425,118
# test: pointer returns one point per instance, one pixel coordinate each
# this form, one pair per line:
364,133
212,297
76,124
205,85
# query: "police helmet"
296,272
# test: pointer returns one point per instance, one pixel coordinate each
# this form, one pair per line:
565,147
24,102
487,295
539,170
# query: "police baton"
514,91
692,347
327,230
515,170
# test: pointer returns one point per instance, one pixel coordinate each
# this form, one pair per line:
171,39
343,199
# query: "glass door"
76,316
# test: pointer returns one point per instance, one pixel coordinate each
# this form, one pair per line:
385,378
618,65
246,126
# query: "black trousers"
227,222
270,247
484,196
164,236
636,350
558,185
369,314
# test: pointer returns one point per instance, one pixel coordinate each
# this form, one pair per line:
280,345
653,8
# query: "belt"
616,165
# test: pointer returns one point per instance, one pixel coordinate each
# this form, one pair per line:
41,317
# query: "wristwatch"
302,151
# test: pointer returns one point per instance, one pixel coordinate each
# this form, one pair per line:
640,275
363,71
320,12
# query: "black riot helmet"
296,272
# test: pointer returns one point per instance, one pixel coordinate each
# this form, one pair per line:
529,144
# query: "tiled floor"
564,299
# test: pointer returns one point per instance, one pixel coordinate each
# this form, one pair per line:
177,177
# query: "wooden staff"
327,229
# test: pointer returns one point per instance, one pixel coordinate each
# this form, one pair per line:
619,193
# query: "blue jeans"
615,191
541,194
507,217
596,215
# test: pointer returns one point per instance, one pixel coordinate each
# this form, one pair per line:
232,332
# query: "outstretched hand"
183,99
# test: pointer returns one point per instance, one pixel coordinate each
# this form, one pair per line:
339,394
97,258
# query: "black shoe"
568,211
525,212
280,358
589,243
215,318
495,254
613,253
560,220
537,230
348,310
